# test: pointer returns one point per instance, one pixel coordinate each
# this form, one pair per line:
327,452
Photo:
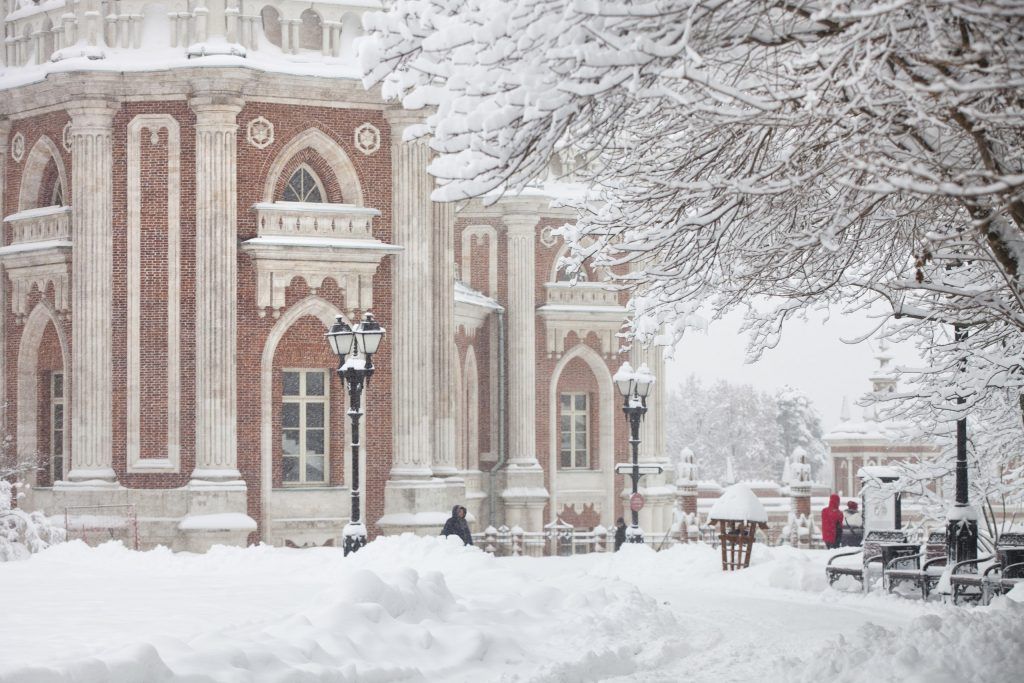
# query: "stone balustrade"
293,219
51,223
55,30
581,294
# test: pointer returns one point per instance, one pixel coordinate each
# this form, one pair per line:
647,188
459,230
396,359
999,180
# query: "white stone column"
5,131
412,330
525,493
443,278
91,303
522,339
216,287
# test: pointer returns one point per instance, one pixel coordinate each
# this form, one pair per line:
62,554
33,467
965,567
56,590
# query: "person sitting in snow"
853,525
832,523
458,526
620,533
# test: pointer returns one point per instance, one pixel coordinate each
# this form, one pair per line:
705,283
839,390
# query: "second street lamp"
355,349
635,387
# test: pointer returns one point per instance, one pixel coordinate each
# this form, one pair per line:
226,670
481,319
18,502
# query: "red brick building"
192,192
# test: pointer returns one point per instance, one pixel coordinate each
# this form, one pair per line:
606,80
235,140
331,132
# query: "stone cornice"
58,90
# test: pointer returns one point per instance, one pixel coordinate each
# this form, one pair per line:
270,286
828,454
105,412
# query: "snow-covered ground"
415,609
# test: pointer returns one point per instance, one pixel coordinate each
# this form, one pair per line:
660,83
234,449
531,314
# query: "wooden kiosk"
739,514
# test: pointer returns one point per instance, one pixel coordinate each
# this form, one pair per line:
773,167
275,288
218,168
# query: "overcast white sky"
811,357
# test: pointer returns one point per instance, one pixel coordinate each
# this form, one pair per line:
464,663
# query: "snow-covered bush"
23,533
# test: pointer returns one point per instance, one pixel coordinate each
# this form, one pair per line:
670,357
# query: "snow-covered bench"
872,554
925,577
970,585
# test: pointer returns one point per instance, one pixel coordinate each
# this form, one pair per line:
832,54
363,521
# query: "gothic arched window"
303,186
580,275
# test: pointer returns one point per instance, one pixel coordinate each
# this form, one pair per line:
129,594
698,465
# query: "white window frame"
316,181
572,414
303,399
57,431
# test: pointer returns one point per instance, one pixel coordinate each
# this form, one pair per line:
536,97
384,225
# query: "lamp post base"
354,537
634,534
961,535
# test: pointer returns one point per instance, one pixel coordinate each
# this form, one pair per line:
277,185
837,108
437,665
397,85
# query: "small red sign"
636,502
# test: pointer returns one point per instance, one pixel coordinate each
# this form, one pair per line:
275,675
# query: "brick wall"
153,297
374,174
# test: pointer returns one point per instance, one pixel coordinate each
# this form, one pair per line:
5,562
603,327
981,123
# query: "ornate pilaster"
91,302
522,339
422,333
5,131
525,494
413,334
443,266
216,287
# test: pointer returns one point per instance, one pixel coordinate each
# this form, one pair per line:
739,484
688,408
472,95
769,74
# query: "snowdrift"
428,609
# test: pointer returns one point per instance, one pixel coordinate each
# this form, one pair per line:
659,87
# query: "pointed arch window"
580,275
304,186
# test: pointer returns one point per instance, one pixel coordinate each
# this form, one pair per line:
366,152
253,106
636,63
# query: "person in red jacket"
832,523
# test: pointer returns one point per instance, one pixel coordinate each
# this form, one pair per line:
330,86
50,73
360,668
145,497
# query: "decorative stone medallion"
260,133
18,147
547,237
367,138
66,136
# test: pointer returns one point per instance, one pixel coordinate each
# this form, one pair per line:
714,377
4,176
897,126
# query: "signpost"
634,471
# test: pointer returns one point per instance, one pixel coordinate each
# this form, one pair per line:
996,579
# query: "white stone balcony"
39,256
581,294
314,242
583,308
294,219
48,224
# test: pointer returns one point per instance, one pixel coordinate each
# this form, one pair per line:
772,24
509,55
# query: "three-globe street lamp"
635,387
355,349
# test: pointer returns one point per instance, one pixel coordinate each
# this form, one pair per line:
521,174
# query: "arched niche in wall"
271,20
311,31
34,175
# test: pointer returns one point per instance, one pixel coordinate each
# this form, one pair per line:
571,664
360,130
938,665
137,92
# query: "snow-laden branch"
818,153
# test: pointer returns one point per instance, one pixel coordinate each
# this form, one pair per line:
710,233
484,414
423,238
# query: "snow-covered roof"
878,472
467,295
738,504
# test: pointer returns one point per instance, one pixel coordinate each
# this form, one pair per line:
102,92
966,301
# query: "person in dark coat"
832,523
620,533
853,525
458,526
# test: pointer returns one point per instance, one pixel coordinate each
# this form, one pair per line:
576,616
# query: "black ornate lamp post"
355,349
962,522
634,386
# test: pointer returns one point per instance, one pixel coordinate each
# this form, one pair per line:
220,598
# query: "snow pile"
738,504
431,609
402,608
961,645
23,533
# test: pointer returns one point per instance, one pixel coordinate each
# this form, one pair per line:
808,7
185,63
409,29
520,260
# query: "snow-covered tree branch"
815,153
